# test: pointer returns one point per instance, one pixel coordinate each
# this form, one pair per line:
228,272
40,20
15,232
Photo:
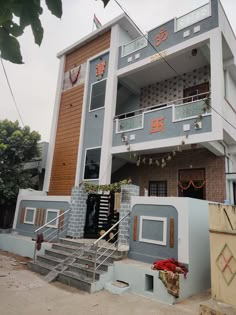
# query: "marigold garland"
115,187
191,182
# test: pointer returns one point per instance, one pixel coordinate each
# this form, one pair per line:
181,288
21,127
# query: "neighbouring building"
158,108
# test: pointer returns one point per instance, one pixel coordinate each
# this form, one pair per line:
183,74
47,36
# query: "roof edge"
88,38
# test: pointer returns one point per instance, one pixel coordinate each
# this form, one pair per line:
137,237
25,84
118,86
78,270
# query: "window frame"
33,221
57,221
157,182
86,150
90,98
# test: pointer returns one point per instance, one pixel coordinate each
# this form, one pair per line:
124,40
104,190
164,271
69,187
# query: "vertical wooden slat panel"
61,220
135,228
172,232
22,216
43,213
37,216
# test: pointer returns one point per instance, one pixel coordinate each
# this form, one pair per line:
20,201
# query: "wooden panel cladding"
172,232
69,120
40,216
22,216
89,50
135,228
66,144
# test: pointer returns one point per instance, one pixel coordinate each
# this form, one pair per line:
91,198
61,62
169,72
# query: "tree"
15,15
17,146
26,12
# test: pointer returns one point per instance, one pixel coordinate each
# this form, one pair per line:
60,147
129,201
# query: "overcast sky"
34,83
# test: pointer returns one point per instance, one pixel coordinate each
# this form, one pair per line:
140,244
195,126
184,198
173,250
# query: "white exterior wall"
54,124
110,105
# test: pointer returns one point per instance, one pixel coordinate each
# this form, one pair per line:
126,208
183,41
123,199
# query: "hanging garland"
74,79
115,187
191,182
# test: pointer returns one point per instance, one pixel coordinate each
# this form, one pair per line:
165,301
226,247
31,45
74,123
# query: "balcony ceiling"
159,70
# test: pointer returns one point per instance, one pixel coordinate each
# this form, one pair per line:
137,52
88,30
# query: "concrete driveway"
23,292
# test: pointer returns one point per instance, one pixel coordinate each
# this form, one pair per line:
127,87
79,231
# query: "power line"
13,97
162,57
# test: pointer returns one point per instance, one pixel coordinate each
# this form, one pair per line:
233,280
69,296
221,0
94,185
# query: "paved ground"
23,292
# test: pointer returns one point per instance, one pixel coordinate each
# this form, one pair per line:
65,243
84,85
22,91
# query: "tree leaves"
9,47
55,6
28,12
105,2
17,146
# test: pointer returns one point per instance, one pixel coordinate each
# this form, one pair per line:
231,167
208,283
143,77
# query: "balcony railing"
133,46
193,17
184,108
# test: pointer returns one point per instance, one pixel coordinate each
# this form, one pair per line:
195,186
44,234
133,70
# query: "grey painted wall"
171,129
93,129
28,229
174,38
151,252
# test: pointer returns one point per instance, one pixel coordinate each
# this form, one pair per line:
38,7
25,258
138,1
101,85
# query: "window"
158,189
52,214
98,91
92,164
29,215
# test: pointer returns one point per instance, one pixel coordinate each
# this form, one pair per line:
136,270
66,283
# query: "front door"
192,183
100,215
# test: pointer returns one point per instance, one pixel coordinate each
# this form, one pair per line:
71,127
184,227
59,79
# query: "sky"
34,83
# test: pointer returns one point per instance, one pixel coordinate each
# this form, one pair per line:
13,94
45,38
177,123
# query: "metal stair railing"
51,233
106,246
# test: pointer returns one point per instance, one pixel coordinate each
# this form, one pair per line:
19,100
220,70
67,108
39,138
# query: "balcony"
133,46
165,120
182,109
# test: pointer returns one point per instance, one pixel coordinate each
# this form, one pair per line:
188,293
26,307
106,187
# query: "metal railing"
192,106
134,45
108,247
50,233
193,17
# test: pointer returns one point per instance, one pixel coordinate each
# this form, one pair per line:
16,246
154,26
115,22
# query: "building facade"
158,108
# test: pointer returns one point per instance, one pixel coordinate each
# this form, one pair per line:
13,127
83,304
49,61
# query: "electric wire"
164,59
12,94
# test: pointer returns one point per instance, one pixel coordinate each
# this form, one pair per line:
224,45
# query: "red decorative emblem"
157,125
100,69
161,37
74,75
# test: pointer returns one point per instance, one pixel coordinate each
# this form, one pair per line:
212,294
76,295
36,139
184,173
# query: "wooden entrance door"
194,91
192,183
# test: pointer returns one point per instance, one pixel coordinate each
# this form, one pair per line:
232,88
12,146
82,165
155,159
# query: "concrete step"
75,267
67,248
80,281
81,260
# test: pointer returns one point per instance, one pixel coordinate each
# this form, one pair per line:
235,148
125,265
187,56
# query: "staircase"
77,264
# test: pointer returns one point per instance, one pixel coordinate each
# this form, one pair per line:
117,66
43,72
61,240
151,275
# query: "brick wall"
199,158
77,213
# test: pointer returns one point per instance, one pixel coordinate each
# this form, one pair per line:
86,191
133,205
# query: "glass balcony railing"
193,17
130,123
133,46
193,109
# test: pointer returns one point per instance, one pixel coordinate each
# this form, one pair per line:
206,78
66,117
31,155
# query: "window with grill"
158,188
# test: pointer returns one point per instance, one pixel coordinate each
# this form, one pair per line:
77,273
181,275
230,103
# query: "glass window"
29,215
98,91
158,189
92,164
52,214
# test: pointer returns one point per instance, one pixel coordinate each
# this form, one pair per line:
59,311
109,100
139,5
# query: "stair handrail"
55,229
98,255
113,226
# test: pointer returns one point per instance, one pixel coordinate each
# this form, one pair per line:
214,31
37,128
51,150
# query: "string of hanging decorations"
191,182
157,161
